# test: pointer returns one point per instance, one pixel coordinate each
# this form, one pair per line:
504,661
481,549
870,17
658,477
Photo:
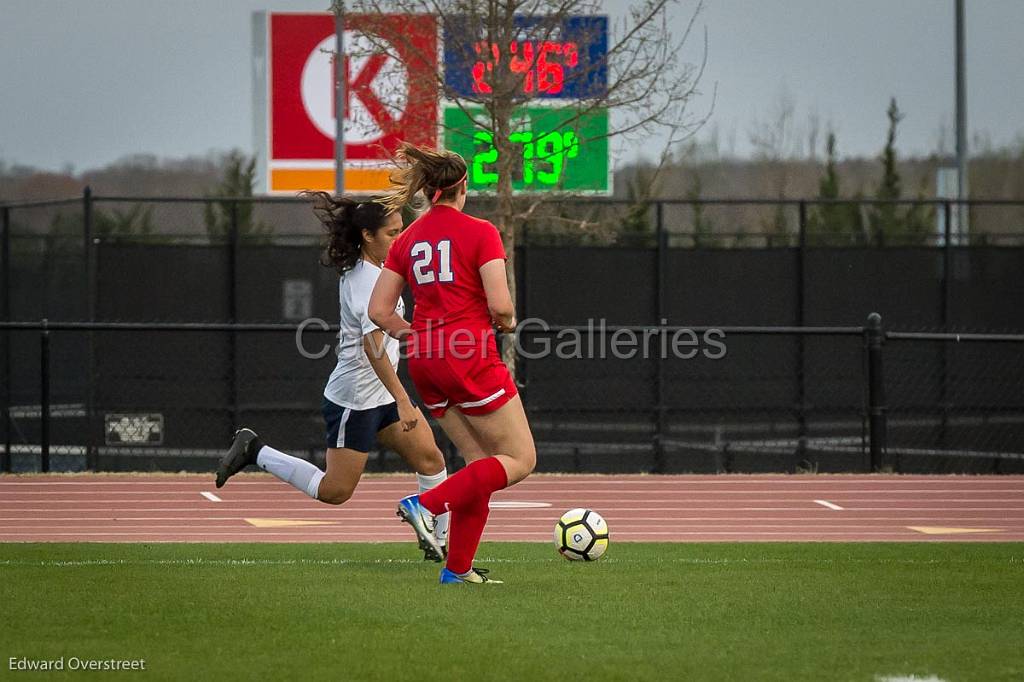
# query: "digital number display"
565,61
554,149
543,65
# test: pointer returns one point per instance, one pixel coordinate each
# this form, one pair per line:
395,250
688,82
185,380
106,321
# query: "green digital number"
488,156
551,149
554,148
526,139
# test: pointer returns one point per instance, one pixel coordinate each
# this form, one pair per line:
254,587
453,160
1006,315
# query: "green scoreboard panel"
556,148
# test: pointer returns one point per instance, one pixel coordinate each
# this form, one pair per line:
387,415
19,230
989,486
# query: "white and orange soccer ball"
581,535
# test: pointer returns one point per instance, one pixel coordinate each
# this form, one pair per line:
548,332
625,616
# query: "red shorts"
475,385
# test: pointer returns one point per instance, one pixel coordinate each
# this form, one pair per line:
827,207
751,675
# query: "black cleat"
241,454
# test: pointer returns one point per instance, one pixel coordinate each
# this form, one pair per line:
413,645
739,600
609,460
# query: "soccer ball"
581,535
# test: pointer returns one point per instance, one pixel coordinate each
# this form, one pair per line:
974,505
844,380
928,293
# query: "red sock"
467,495
475,480
465,527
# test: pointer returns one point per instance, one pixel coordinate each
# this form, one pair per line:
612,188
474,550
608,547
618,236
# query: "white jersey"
353,382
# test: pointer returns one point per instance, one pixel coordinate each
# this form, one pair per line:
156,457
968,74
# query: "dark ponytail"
344,220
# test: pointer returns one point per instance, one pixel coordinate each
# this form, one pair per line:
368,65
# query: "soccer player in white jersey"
364,401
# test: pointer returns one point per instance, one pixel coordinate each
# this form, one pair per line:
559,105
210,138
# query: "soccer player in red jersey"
455,265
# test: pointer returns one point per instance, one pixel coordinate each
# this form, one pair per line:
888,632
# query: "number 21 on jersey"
422,254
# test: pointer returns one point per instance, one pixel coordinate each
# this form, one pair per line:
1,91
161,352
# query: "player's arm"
383,300
499,299
373,346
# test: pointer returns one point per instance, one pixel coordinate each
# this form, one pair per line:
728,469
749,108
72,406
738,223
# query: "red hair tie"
441,190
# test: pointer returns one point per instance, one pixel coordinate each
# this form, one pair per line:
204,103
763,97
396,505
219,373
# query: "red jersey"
439,256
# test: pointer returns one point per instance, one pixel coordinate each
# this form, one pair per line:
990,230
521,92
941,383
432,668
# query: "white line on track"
936,520
540,528
258,478
366,491
210,496
257,510
255,535
826,503
261,501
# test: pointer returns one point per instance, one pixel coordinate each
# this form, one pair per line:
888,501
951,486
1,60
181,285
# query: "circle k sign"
391,92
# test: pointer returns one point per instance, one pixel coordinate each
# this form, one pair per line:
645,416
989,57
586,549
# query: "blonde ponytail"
437,173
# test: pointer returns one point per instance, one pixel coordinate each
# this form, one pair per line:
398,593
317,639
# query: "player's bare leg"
416,446
344,469
506,434
461,433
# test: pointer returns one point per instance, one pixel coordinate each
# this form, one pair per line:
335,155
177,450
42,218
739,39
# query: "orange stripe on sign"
356,179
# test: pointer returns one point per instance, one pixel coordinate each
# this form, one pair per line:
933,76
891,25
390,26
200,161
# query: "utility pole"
961,122
338,8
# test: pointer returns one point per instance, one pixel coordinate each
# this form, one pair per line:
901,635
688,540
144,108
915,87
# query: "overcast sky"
85,82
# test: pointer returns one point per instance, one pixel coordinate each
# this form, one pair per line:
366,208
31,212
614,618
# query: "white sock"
440,521
297,472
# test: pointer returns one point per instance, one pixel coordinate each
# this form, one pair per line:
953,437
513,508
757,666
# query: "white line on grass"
210,496
826,503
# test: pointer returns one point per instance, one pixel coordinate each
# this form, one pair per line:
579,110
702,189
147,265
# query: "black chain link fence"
779,399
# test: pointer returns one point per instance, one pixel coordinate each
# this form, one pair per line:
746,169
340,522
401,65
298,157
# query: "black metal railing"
804,441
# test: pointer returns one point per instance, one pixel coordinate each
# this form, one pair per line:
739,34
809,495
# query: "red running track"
727,508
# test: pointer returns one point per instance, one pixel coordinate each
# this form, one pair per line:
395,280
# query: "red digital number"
522,64
482,68
540,71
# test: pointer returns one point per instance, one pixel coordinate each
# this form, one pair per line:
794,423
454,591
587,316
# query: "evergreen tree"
66,228
885,219
239,180
776,228
891,222
919,219
833,222
703,227
136,221
636,222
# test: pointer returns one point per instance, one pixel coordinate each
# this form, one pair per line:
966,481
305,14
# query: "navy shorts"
356,429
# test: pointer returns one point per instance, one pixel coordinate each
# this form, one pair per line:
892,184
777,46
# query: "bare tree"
515,52
813,130
776,142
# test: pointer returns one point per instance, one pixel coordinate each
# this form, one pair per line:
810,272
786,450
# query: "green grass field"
645,612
